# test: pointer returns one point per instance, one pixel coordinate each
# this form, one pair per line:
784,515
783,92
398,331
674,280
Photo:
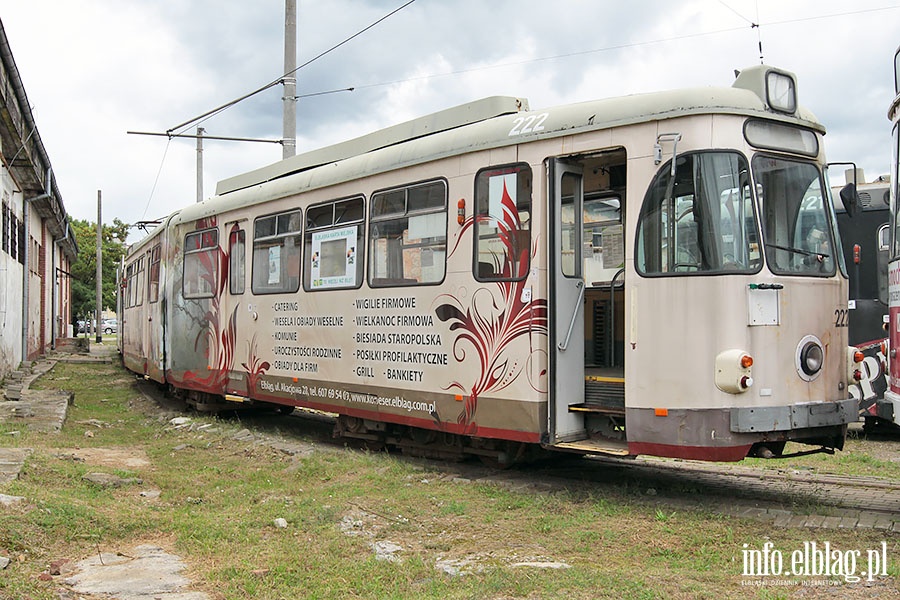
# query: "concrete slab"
11,461
141,573
40,410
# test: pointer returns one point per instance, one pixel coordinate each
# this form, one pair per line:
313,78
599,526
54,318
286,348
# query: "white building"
37,246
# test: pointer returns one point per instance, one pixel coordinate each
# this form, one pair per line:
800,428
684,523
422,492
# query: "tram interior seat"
486,270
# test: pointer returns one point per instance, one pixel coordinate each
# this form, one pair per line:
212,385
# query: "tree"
84,271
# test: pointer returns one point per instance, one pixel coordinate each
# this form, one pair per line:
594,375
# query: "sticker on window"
334,258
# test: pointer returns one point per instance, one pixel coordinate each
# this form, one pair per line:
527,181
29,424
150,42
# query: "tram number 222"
841,317
528,124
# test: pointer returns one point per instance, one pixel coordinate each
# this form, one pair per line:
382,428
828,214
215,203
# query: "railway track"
726,482
790,497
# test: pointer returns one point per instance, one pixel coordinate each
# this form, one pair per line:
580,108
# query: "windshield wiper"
798,250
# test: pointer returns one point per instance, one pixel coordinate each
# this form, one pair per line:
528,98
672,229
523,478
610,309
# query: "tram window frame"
663,236
154,259
201,264
237,261
394,256
795,243
281,230
343,220
604,235
486,237
135,286
127,285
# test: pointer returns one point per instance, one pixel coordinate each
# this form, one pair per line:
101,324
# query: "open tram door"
586,411
566,302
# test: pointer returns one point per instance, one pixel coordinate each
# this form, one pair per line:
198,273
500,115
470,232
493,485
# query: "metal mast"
289,146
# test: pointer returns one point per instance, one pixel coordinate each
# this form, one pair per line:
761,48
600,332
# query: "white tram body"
652,274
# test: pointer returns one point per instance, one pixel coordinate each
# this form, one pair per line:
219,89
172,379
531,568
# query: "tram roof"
483,125
874,195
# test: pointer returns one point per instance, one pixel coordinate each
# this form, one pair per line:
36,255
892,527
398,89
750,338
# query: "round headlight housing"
810,357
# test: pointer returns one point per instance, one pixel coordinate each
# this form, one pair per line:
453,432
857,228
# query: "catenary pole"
289,133
200,132
99,316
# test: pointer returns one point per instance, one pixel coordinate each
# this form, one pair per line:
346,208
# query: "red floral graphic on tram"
254,366
494,320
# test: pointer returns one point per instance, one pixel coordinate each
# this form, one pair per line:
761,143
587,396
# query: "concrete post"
289,134
99,317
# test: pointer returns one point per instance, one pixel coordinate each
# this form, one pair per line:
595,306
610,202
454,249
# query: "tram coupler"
763,451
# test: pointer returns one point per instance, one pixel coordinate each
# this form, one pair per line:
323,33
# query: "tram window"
127,286
701,220
201,264
237,272
604,237
139,283
124,289
571,246
153,275
134,289
884,238
503,223
276,254
796,223
408,235
334,241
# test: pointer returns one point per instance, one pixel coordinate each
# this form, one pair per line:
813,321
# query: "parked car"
110,325
82,324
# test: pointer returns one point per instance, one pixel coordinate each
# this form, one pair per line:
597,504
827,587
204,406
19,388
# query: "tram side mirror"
850,199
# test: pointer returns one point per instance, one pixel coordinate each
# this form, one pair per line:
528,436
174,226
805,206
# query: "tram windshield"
797,227
699,219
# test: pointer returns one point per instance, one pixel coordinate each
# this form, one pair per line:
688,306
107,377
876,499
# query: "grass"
868,456
219,498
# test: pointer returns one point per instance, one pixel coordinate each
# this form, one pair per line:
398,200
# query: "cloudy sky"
96,69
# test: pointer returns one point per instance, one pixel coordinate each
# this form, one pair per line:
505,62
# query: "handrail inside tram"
611,341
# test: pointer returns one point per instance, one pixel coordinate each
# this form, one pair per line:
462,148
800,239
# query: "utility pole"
200,132
99,317
289,134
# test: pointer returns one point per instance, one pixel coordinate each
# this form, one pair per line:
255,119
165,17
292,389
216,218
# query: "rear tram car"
866,241
655,274
889,410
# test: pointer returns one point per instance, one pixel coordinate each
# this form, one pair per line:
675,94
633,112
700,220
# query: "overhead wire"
209,114
156,181
753,25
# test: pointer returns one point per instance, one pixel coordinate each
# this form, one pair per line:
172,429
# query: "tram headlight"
733,374
810,357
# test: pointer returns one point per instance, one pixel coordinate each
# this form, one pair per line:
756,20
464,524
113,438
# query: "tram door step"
602,447
602,395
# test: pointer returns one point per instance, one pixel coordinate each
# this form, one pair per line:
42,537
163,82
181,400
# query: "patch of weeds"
453,508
